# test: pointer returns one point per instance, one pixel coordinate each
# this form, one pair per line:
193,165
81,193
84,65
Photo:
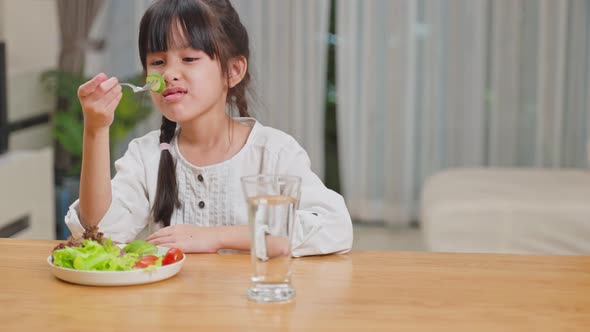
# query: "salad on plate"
94,252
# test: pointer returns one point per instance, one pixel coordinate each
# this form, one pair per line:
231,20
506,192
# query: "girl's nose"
170,74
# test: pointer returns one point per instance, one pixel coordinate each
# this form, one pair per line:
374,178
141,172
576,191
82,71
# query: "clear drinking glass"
272,201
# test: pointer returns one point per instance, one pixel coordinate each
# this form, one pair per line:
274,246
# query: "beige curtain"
75,20
428,85
118,25
288,41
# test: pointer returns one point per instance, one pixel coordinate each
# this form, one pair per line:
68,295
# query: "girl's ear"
237,68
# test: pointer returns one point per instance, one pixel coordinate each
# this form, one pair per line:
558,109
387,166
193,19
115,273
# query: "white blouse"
212,195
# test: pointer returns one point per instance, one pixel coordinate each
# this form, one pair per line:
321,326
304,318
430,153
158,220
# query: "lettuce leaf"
93,256
141,247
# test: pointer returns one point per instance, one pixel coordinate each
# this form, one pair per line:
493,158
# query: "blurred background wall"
29,30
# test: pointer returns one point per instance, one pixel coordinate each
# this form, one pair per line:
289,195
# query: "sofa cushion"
505,210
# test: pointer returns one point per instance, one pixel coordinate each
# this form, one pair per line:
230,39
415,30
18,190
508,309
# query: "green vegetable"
94,256
141,248
156,82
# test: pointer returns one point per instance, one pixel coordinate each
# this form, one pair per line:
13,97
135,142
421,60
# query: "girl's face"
195,84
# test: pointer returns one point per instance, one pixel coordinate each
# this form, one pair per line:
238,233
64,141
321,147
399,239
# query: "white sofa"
497,210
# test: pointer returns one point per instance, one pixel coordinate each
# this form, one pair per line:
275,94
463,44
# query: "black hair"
212,26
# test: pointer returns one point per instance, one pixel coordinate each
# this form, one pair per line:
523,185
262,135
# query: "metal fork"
137,89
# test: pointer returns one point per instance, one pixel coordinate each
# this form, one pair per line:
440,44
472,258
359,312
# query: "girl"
183,181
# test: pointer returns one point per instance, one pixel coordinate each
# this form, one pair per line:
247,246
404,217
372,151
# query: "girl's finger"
89,87
159,233
113,103
111,95
107,85
161,240
167,245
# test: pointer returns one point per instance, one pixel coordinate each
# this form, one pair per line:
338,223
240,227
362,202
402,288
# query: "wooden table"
360,291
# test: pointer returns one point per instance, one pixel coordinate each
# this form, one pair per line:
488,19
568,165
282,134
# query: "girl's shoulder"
144,150
146,145
272,139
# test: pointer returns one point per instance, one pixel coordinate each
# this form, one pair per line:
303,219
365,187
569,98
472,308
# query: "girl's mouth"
173,94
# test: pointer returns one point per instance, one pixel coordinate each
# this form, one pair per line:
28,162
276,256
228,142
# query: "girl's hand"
99,98
188,238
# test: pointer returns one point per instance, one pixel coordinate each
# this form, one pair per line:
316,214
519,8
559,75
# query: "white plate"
117,278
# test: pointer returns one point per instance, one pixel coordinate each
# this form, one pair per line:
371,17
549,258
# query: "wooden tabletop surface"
359,291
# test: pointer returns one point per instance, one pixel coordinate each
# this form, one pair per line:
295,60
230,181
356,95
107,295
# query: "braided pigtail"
167,189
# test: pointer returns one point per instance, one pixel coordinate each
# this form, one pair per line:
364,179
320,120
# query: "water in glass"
272,201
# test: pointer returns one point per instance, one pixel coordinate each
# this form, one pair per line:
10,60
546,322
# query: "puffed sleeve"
322,224
129,211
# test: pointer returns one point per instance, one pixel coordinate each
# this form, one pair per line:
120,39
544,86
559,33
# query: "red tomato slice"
172,256
146,261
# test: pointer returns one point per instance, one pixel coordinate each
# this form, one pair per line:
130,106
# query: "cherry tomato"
172,256
146,261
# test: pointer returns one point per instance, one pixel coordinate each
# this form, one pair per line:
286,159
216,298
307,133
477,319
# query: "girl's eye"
190,59
156,63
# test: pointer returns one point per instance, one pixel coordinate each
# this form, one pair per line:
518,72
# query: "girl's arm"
129,209
239,238
99,98
233,237
95,178
323,224
200,239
